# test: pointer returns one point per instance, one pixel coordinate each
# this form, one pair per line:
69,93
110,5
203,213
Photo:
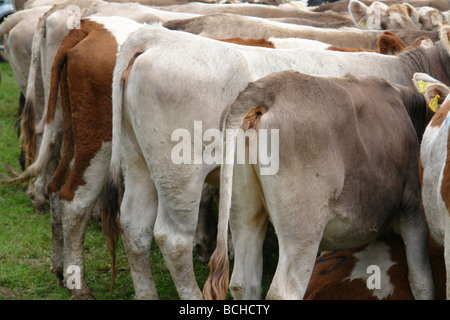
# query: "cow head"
431,18
400,16
379,16
366,17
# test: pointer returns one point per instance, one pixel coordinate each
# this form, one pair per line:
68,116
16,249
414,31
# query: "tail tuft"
216,286
110,219
28,133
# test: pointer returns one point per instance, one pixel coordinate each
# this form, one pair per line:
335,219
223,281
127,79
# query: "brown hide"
329,278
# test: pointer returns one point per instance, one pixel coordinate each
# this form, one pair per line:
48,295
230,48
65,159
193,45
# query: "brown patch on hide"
445,184
90,66
358,49
250,42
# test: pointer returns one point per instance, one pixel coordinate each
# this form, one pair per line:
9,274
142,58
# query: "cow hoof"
82,296
60,278
41,207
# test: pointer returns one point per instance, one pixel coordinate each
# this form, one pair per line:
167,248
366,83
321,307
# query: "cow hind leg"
248,224
174,232
414,231
299,221
297,253
77,202
204,240
138,213
57,237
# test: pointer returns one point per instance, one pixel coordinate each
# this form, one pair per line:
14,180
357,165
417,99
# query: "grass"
25,236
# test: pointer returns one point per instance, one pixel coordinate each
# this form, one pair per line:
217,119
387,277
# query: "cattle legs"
138,213
174,233
57,237
414,231
74,229
77,202
248,223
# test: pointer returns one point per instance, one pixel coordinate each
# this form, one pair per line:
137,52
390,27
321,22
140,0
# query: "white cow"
48,36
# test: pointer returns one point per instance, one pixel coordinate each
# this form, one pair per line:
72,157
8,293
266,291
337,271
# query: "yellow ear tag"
363,23
423,85
434,103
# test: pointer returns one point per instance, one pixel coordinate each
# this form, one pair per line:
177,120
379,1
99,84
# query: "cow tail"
247,107
216,286
114,185
112,198
27,118
48,139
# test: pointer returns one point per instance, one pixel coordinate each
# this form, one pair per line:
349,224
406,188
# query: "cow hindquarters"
299,199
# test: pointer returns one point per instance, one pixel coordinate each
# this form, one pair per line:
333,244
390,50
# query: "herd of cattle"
356,90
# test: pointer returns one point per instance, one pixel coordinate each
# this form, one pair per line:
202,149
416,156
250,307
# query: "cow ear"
422,80
376,11
378,7
359,12
412,13
434,91
424,42
432,16
435,95
444,36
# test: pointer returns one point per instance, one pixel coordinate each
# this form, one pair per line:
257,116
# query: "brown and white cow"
434,163
83,83
86,112
221,26
388,43
85,89
162,195
350,275
347,173
47,40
